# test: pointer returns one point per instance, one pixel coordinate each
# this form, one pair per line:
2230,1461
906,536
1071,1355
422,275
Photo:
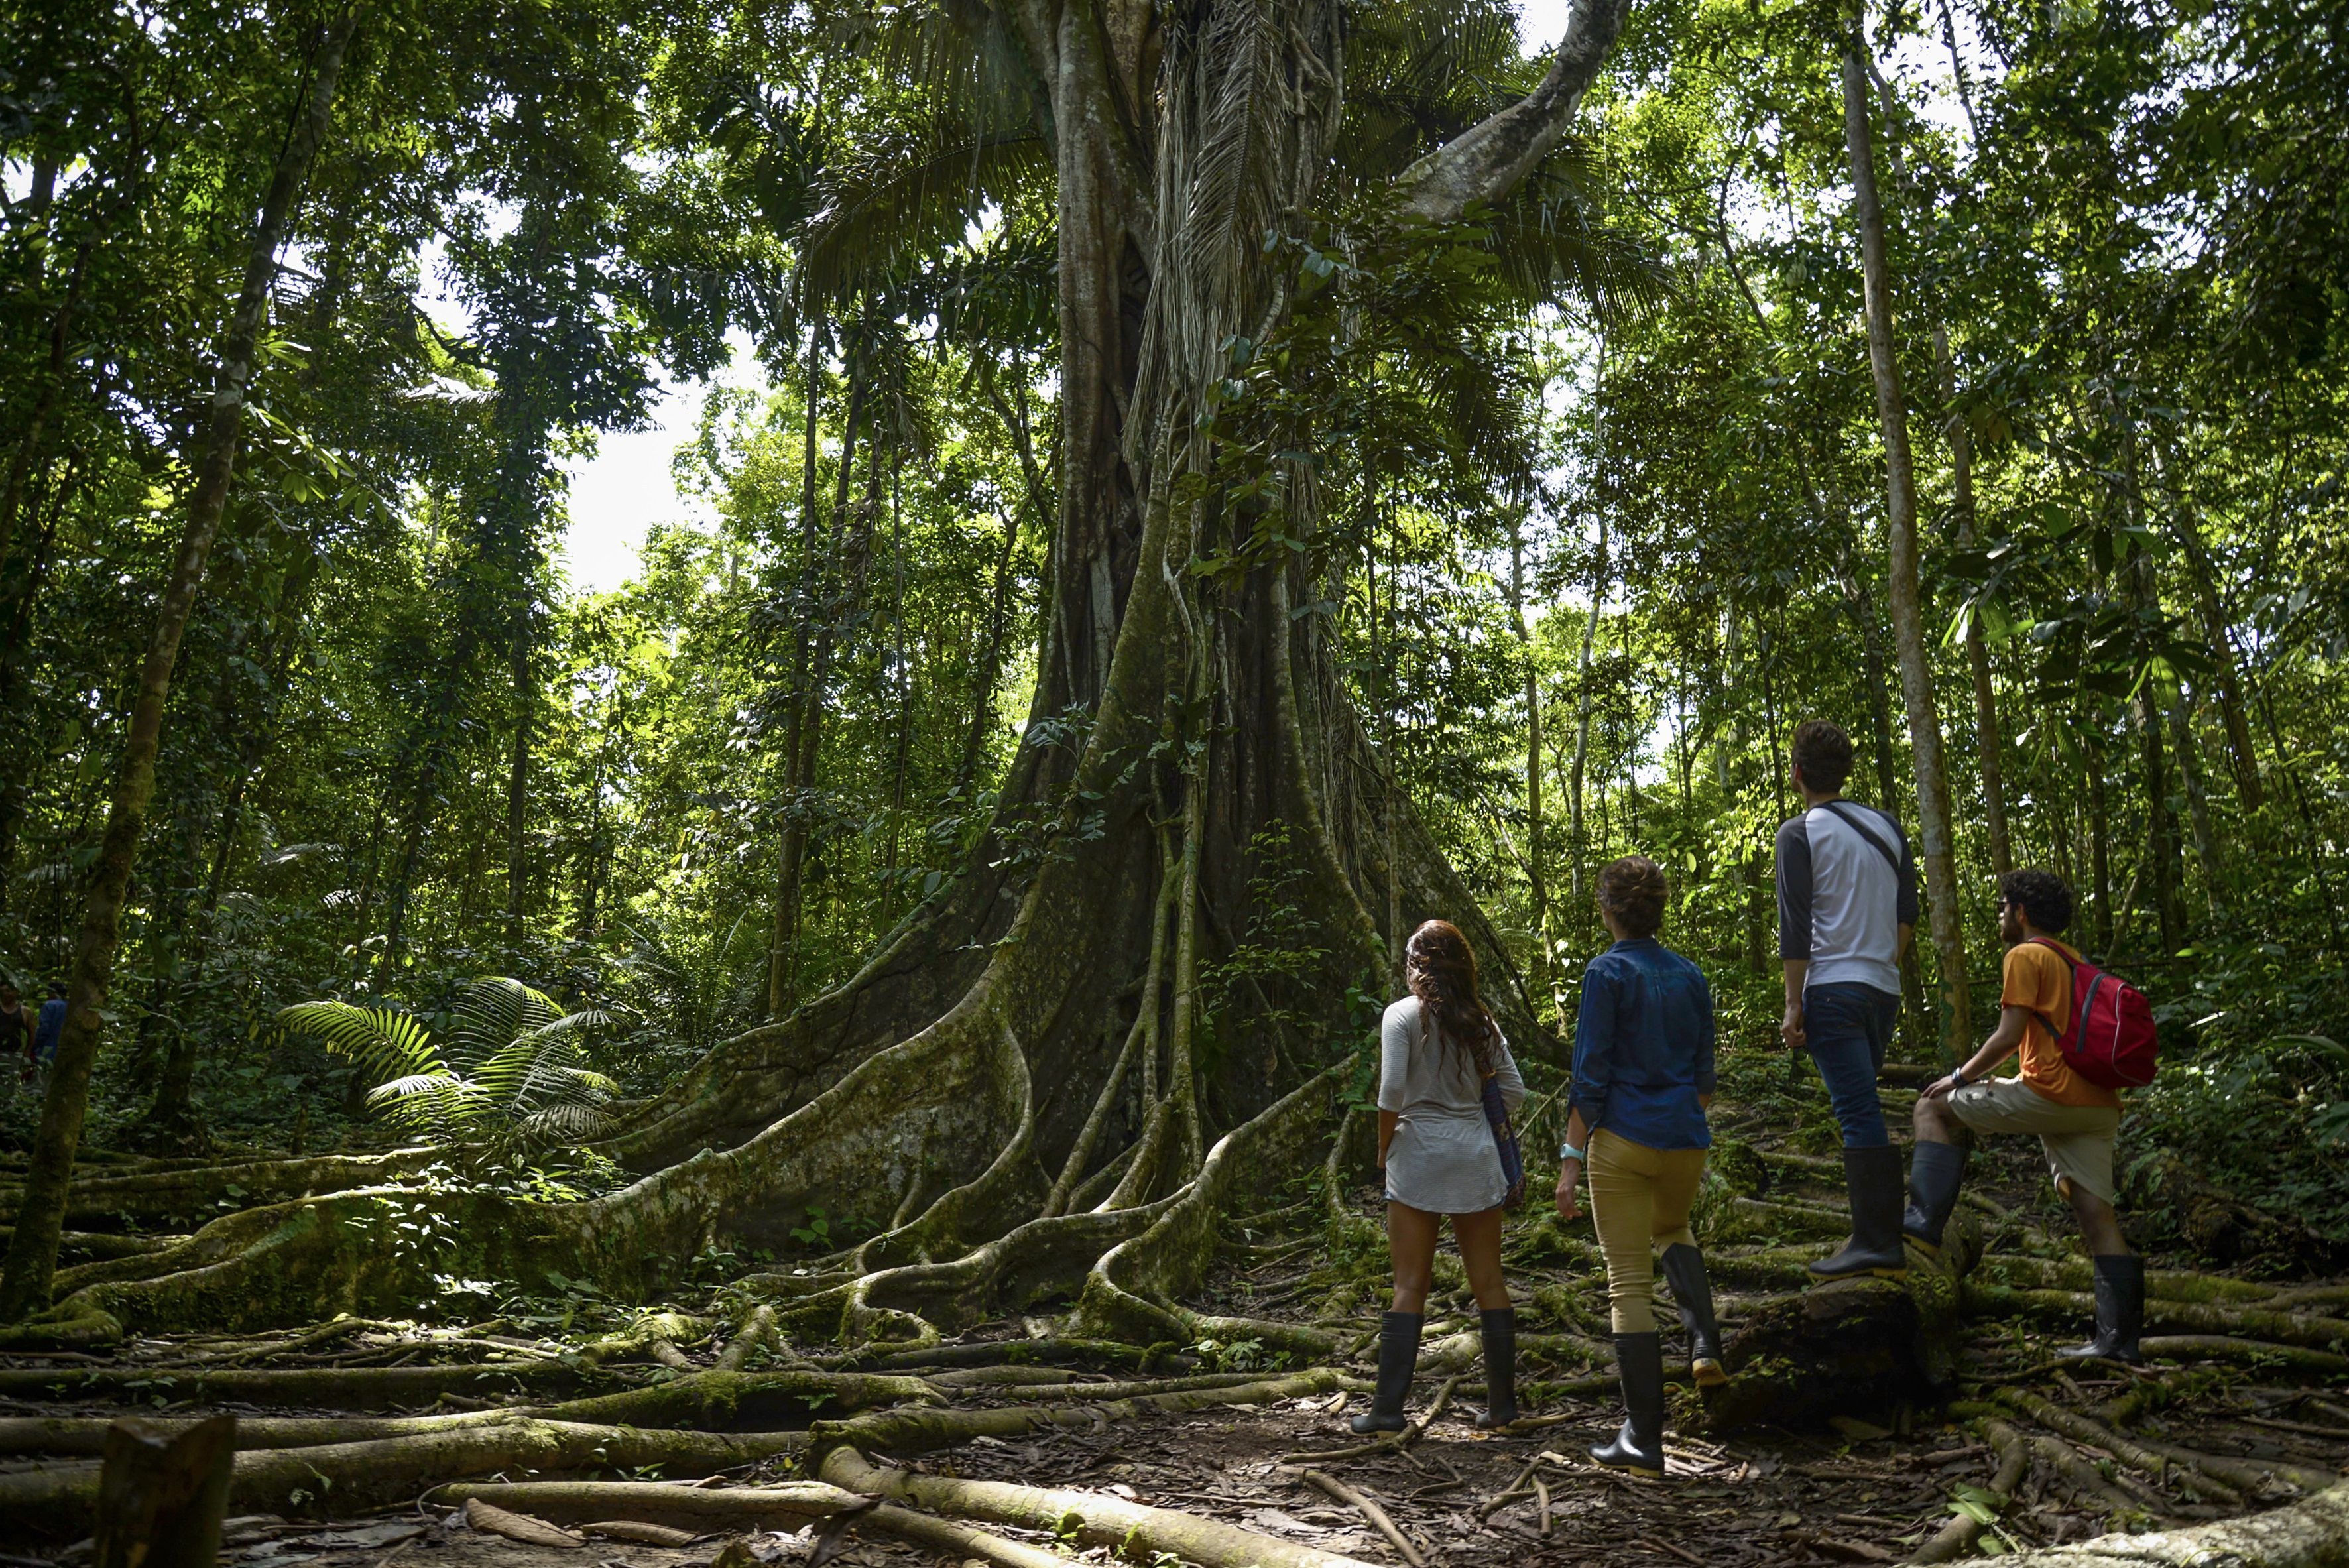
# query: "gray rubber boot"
2120,1311
1398,1358
1500,1334
1936,1173
1639,1446
1684,1267
1872,1177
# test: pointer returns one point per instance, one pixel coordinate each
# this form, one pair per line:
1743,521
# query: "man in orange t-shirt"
2077,1120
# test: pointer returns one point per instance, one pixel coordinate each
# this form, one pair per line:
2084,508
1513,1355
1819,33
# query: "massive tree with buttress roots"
971,1080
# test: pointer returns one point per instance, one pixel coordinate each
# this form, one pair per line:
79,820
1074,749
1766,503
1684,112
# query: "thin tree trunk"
782,932
1536,848
2198,805
1575,825
525,697
2203,574
990,664
33,1250
17,791
1990,742
807,728
2100,853
1908,638
53,376
172,1112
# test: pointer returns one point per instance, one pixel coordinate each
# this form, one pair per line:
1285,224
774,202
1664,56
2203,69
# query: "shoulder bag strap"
1865,832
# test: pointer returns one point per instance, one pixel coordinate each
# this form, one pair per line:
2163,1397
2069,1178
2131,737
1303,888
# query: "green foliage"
514,1062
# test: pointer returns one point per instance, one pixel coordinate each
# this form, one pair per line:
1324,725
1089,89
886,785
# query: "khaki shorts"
2078,1138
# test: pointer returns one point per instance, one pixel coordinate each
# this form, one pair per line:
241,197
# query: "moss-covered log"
342,1479
1858,1347
2311,1534
1133,1529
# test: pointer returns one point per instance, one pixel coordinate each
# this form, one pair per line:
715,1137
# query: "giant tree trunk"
33,1251
1912,645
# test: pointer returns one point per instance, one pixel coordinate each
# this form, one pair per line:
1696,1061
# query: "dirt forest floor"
2084,1445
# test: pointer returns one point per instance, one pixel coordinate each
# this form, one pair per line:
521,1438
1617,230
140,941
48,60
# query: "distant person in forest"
1436,1049
48,1029
16,1028
1636,1130
2077,1120
1847,911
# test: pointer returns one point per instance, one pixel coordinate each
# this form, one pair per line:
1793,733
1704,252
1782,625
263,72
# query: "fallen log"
710,1401
707,1510
360,1476
2310,1330
1094,1519
908,1431
317,1387
2310,1533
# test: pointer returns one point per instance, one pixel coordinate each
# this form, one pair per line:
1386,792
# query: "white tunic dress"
1442,1159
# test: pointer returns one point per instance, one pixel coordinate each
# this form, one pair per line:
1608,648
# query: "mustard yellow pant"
1640,1199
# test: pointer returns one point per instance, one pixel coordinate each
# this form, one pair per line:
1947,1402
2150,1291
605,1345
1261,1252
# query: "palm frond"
439,1103
383,1041
913,194
566,1123
1555,248
491,1013
1244,142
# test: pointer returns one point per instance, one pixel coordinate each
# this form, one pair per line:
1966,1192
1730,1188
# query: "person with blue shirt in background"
47,1030
1644,1076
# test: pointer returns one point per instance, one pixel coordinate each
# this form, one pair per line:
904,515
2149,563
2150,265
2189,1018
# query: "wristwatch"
1957,1077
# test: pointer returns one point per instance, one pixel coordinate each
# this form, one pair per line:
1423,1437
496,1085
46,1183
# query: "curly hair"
1633,889
1441,969
1822,751
2042,896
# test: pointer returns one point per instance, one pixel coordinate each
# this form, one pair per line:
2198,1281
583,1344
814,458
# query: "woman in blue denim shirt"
1643,1078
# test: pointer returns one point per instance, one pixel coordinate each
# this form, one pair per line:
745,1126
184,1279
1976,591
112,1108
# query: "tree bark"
33,1251
1909,642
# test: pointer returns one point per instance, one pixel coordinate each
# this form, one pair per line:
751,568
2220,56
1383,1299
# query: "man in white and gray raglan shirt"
1847,910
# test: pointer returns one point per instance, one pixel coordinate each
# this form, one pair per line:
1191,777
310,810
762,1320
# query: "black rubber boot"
1936,1172
1639,1446
1500,1332
1693,1292
1398,1358
2120,1310
1872,1177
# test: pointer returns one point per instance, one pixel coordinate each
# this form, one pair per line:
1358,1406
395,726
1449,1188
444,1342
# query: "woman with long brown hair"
1438,1047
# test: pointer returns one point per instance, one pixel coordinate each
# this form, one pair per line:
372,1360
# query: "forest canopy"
1171,498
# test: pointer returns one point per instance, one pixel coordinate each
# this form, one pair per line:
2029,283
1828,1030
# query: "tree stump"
163,1492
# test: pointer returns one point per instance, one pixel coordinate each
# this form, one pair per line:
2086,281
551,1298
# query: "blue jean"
1846,1027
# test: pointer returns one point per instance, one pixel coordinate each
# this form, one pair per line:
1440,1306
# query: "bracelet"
1957,1077
1569,1151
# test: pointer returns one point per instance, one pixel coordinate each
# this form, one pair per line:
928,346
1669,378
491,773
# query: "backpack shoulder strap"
2073,964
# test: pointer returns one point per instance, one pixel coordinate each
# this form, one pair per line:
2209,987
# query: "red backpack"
2111,1039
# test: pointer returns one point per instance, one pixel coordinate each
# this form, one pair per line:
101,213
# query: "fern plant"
513,1063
